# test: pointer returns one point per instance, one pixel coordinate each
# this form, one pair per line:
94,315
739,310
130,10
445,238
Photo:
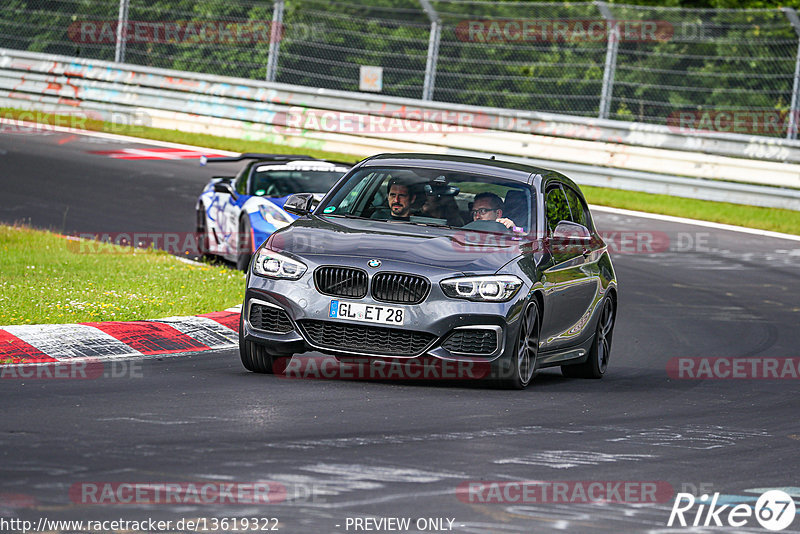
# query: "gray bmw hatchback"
443,258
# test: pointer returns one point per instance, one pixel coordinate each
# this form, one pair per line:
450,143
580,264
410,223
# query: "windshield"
434,197
281,183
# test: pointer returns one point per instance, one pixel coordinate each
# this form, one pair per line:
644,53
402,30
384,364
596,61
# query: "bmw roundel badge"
374,263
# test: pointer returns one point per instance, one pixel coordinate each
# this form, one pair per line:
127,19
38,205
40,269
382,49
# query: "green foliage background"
724,54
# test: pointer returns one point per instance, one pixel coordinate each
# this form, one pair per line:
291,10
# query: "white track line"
696,222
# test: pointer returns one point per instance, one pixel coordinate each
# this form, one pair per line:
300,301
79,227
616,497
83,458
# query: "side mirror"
571,238
225,187
299,203
566,230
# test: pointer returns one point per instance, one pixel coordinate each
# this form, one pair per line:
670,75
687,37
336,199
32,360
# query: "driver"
399,199
488,207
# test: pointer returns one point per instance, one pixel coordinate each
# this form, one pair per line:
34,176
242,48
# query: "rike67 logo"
774,510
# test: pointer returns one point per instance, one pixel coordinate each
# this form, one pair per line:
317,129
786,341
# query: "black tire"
526,351
202,233
254,356
596,363
245,247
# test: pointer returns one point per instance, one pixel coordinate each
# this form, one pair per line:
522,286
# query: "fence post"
607,92
791,131
275,35
433,50
122,32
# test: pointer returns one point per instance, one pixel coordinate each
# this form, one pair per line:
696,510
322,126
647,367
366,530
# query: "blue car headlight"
273,265
491,288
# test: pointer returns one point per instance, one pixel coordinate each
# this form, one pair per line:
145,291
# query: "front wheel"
523,365
254,356
597,362
203,245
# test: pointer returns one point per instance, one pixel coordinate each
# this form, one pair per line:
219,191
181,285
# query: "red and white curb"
48,343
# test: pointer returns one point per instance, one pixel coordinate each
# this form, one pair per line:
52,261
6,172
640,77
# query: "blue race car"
235,214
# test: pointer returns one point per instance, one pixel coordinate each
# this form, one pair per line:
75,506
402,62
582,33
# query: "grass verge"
777,220
50,279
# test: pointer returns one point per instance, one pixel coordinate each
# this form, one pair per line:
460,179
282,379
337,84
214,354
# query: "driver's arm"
508,223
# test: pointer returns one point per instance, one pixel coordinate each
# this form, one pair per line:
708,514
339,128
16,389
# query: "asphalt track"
346,449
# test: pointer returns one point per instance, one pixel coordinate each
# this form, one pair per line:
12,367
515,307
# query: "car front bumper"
439,327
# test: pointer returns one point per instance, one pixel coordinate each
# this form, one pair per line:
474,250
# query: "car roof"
499,168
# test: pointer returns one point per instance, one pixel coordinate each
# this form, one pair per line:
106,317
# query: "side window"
577,207
556,207
348,203
355,196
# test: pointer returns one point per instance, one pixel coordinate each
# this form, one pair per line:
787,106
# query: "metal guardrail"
520,121
596,152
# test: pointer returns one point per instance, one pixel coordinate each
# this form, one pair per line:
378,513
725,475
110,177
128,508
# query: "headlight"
274,265
493,288
274,215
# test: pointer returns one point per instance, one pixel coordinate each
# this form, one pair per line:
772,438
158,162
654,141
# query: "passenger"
442,207
488,207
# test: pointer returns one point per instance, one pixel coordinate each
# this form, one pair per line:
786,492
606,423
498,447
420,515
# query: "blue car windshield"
434,197
281,183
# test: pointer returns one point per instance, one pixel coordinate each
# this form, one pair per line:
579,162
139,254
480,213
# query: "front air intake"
269,319
372,340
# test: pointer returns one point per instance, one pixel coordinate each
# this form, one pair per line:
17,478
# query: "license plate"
370,313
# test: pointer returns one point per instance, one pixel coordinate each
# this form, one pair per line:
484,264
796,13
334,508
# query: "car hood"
445,249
